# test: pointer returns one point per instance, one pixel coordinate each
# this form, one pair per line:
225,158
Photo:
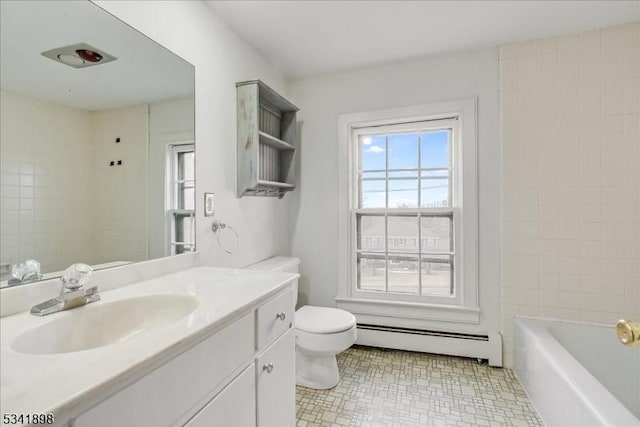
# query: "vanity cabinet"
267,130
223,410
242,375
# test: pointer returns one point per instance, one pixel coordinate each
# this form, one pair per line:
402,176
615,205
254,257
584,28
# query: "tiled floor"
398,388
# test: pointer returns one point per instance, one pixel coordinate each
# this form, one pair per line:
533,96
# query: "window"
404,177
409,216
181,197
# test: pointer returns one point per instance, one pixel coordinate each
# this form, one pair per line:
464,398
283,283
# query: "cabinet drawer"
274,318
235,406
276,383
168,394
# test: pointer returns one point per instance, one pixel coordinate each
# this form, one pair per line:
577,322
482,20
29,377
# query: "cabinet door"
235,406
276,381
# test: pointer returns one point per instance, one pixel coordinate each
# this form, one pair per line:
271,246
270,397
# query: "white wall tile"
591,249
120,191
549,281
575,102
33,166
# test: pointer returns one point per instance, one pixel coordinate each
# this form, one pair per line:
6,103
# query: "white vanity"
202,347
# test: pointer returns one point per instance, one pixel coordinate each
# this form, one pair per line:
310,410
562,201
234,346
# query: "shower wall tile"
570,129
120,220
45,184
60,202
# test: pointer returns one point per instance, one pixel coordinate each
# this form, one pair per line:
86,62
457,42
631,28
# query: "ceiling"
144,71
308,38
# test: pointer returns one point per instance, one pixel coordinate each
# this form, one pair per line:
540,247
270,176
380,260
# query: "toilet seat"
325,344
323,320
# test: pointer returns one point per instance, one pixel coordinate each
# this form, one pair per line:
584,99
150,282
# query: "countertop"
68,384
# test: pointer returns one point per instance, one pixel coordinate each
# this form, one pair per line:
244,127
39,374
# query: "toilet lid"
323,320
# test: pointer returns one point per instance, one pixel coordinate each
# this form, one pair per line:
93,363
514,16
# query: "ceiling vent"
79,55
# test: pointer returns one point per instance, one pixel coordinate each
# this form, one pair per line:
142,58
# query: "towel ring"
218,228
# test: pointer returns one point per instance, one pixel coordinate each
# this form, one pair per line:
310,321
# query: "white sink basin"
99,324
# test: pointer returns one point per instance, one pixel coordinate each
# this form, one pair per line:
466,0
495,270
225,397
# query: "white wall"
571,177
221,58
169,121
46,156
314,209
119,192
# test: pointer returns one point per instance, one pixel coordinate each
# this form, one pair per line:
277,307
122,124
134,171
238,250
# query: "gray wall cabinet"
266,141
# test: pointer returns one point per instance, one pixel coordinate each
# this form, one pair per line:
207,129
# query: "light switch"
209,204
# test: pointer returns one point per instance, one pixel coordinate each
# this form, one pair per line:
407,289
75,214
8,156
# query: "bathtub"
577,374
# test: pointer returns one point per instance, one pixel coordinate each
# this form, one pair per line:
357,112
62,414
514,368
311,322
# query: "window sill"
398,310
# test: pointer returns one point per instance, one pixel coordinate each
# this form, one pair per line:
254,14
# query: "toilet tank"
280,263
277,263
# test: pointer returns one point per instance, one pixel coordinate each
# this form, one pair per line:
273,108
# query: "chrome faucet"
73,293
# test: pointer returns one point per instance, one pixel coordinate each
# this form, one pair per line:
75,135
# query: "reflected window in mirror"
181,188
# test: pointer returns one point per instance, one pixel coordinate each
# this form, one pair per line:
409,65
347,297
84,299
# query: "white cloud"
366,140
375,149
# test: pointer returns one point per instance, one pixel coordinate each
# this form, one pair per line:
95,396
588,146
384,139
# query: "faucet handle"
76,276
25,271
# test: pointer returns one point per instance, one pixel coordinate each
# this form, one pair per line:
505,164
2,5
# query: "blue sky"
403,154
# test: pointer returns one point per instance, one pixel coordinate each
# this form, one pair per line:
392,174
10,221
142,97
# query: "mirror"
97,148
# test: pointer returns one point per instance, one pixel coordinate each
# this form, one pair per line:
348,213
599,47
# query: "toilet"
321,334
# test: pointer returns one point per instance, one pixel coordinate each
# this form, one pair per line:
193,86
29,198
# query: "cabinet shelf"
274,142
276,184
267,133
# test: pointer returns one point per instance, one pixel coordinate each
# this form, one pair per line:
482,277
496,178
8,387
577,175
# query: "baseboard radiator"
487,347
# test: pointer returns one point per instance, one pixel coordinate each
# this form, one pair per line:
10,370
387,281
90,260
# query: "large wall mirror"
97,146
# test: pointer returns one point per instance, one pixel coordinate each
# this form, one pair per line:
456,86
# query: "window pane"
403,274
403,193
434,193
437,275
185,231
188,166
183,226
402,233
371,273
403,151
189,198
182,171
442,173
372,194
369,175
403,174
434,149
371,233
436,234
372,152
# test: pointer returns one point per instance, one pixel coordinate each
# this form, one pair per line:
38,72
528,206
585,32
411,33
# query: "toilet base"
319,372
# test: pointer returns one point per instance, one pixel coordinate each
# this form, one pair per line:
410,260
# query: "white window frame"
171,199
454,210
463,307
